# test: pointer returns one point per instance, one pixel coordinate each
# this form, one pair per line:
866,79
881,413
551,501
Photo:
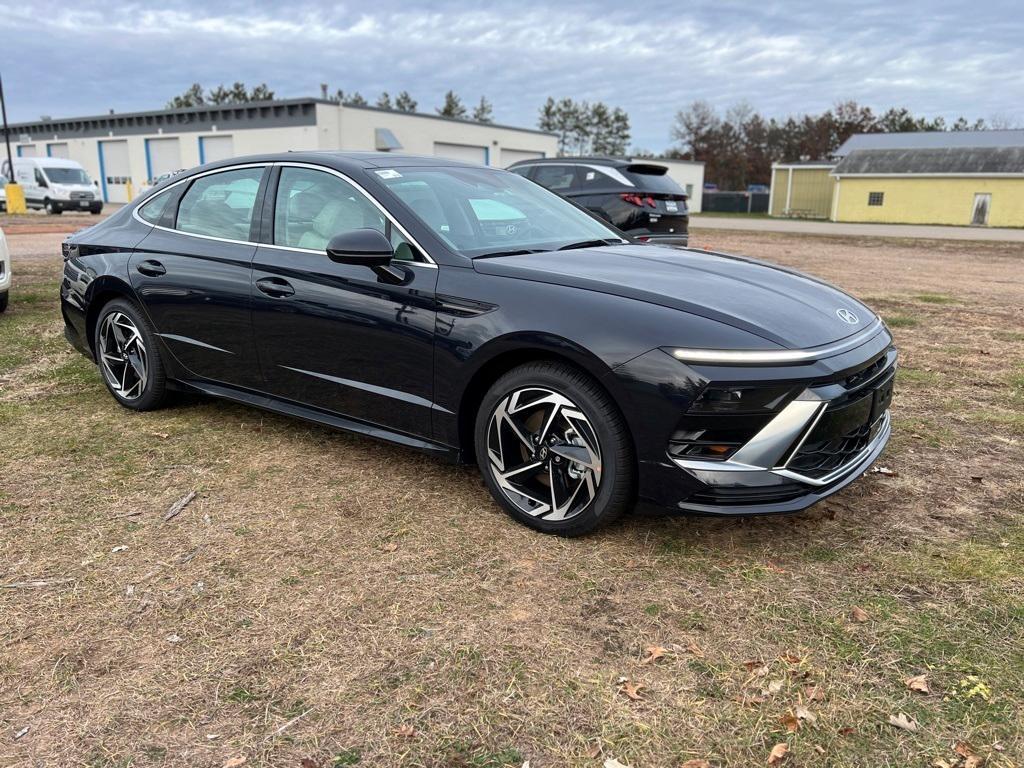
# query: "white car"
5,271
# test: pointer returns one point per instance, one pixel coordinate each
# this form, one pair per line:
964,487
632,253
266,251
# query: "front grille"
822,457
81,195
742,495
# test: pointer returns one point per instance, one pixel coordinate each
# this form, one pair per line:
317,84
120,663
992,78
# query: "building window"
875,198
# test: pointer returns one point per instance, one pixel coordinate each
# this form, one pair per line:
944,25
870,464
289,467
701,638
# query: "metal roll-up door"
164,156
58,149
467,153
213,148
509,156
116,169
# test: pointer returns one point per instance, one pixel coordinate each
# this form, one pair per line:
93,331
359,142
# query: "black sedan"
638,198
469,313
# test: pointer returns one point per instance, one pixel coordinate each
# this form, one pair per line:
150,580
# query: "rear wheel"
128,357
554,450
3,300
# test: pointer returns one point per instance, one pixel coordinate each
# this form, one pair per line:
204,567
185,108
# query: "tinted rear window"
657,183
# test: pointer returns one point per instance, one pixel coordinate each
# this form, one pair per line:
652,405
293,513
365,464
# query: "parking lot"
328,600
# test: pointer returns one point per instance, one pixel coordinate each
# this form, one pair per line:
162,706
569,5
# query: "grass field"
327,600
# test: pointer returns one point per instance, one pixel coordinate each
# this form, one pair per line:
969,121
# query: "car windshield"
67,176
480,212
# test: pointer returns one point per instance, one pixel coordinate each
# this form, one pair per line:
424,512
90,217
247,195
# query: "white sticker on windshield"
389,173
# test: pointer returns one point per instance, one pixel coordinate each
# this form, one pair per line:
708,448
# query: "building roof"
975,161
251,114
931,140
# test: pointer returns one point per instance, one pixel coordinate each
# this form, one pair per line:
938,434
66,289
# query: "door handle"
275,287
151,268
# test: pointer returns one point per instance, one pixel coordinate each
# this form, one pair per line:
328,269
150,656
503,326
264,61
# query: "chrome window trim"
774,356
430,263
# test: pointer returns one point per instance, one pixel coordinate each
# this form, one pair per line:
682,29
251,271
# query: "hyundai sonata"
472,314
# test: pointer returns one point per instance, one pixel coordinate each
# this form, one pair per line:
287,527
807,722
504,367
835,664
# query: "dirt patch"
328,600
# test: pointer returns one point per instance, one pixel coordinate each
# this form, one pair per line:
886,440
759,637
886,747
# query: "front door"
982,202
193,275
336,336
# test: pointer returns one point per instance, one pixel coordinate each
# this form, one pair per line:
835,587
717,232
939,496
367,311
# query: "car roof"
51,162
348,161
616,162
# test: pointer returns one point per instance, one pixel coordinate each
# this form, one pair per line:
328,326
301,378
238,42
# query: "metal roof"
931,140
975,161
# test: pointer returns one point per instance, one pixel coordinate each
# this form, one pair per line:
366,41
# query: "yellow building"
801,190
980,186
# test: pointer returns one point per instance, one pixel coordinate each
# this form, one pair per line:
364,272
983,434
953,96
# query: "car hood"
790,309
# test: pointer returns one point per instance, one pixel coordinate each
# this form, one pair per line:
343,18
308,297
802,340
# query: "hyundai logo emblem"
847,316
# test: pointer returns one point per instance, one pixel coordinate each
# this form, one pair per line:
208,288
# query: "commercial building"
123,151
938,177
688,174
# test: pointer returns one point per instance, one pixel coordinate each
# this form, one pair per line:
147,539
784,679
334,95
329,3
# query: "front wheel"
3,300
52,207
554,450
128,357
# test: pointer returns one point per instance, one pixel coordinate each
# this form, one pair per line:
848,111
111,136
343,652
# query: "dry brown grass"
324,591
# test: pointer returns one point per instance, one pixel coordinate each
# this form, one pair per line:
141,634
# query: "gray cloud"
940,58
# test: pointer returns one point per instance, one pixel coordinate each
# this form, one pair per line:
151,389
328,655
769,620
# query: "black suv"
637,198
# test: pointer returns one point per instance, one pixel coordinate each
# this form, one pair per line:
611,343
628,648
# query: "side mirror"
361,247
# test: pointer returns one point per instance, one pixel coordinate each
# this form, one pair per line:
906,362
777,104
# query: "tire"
586,455
123,365
51,207
4,298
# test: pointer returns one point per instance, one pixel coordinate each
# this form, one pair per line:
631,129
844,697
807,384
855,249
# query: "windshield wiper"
519,252
591,244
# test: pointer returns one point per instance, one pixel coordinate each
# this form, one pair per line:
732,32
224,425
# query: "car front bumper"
833,425
77,205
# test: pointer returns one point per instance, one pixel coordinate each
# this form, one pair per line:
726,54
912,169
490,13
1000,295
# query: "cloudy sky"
944,58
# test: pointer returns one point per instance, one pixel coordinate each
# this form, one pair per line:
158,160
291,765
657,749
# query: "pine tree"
384,101
453,107
193,97
484,111
356,100
405,103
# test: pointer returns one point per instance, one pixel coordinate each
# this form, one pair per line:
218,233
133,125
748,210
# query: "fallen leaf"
611,762
819,749
977,478
631,690
846,731
161,435
790,721
859,614
918,683
775,686
884,471
778,753
963,749
174,638
791,658
814,693
595,750
696,764
974,762
526,764
804,715
753,664
904,722
236,762
938,762
654,653
406,730
390,547
695,650
308,762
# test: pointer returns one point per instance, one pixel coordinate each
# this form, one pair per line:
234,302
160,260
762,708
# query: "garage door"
509,156
59,149
117,173
213,148
164,156
28,150
467,153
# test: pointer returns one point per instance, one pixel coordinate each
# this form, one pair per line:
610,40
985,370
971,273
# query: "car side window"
523,170
557,178
221,204
594,178
313,206
154,209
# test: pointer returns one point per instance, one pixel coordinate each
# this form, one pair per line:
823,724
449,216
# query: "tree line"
197,96
739,147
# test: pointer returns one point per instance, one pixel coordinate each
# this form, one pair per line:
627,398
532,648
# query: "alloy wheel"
544,454
123,356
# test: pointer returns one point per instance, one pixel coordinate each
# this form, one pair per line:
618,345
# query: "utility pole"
13,192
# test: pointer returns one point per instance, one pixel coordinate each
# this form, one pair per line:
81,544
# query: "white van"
55,184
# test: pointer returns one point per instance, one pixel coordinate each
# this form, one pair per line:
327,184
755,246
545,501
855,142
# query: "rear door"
337,336
192,272
561,179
